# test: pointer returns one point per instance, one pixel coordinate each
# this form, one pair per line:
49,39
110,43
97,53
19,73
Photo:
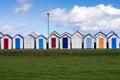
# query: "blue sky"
86,16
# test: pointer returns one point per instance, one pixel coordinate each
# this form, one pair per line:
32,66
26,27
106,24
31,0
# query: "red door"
53,40
5,43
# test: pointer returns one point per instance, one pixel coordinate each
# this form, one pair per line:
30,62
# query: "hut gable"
112,34
41,36
88,35
6,36
18,35
33,34
65,34
77,33
54,33
100,34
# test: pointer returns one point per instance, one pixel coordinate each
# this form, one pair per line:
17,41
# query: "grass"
59,64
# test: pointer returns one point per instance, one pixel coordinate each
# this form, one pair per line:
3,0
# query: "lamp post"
48,14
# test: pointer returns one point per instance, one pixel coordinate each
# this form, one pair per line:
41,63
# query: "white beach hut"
77,40
65,41
54,40
89,41
6,42
41,42
101,40
30,41
1,35
18,41
113,40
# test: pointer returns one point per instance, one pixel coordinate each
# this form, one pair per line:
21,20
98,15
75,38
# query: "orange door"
101,42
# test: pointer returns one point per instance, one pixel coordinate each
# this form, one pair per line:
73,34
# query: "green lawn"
33,65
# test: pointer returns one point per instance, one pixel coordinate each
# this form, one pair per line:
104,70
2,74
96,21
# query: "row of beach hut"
63,41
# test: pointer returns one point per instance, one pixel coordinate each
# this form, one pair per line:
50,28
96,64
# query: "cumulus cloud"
99,17
24,6
13,27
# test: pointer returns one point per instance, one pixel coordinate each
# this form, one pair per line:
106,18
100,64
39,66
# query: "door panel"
17,43
41,43
65,42
53,42
101,42
88,43
5,43
77,42
113,43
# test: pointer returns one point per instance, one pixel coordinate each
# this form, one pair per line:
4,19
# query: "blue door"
65,43
88,43
40,43
17,43
113,43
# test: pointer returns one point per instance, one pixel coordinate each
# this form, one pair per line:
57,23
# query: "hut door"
5,43
88,43
101,42
113,43
53,42
41,43
17,43
65,42
30,43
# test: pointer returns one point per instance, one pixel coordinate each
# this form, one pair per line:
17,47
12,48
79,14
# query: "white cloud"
98,17
13,27
24,6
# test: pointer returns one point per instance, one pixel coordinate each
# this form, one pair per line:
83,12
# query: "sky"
87,16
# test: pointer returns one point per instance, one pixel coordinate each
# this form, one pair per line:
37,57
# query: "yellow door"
101,42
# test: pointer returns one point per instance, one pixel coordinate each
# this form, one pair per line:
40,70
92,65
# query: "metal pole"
48,14
48,23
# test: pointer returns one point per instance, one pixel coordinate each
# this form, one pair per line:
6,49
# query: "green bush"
95,52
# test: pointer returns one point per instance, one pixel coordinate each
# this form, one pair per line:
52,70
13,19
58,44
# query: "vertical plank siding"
63,41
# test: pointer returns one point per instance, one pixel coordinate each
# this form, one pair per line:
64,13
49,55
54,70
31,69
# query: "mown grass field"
60,65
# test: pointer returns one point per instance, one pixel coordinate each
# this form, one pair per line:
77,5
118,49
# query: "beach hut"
113,40
77,40
18,41
101,40
41,42
6,42
54,40
65,41
30,41
1,35
89,41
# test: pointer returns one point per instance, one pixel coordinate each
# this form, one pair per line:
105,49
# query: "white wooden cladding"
63,41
